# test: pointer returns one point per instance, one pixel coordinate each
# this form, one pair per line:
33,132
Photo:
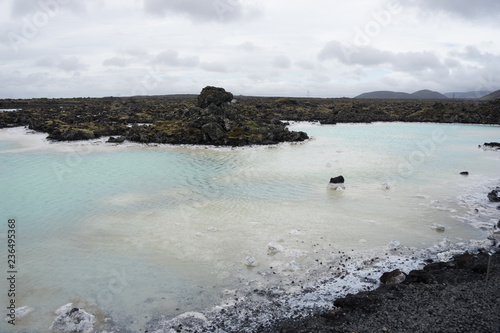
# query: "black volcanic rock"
337,180
213,95
494,196
492,144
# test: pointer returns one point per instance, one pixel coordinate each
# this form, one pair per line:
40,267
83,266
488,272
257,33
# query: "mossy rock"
213,95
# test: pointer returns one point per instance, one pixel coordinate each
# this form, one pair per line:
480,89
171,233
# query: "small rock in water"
336,183
394,245
464,173
251,262
437,227
21,312
386,186
75,320
273,248
494,196
337,180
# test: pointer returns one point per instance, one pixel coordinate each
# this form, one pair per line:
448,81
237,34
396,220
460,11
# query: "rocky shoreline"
452,296
216,117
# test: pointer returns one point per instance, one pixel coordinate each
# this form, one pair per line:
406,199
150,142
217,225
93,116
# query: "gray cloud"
172,58
248,47
66,64
32,8
309,65
369,56
116,62
282,62
465,9
215,66
213,10
474,54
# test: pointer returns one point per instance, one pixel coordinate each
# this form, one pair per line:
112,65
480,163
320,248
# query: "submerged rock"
186,322
394,245
251,262
74,321
437,227
273,248
21,312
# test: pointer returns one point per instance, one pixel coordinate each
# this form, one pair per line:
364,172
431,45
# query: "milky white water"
128,231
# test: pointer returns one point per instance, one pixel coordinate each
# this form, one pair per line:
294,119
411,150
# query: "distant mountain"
490,97
385,95
427,94
467,94
421,94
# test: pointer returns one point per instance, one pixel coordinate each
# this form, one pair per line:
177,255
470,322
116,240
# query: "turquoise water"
128,231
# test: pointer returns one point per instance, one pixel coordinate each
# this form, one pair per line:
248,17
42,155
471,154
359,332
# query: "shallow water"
128,231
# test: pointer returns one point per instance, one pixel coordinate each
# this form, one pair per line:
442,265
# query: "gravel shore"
449,296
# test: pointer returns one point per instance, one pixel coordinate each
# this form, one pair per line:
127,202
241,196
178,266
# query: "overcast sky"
320,48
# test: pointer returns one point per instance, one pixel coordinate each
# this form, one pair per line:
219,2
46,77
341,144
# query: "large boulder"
213,95
214,131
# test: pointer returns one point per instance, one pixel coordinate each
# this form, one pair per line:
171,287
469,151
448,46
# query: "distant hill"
490,97
467,94
427,94
385,95
421,94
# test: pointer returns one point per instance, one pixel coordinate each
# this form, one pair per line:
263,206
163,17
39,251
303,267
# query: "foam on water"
132,230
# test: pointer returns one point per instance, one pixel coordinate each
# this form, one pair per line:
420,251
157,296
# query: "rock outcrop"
73,321
215,122
213,95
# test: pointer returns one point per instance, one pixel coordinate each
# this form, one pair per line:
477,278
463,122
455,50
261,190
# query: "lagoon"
127,231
